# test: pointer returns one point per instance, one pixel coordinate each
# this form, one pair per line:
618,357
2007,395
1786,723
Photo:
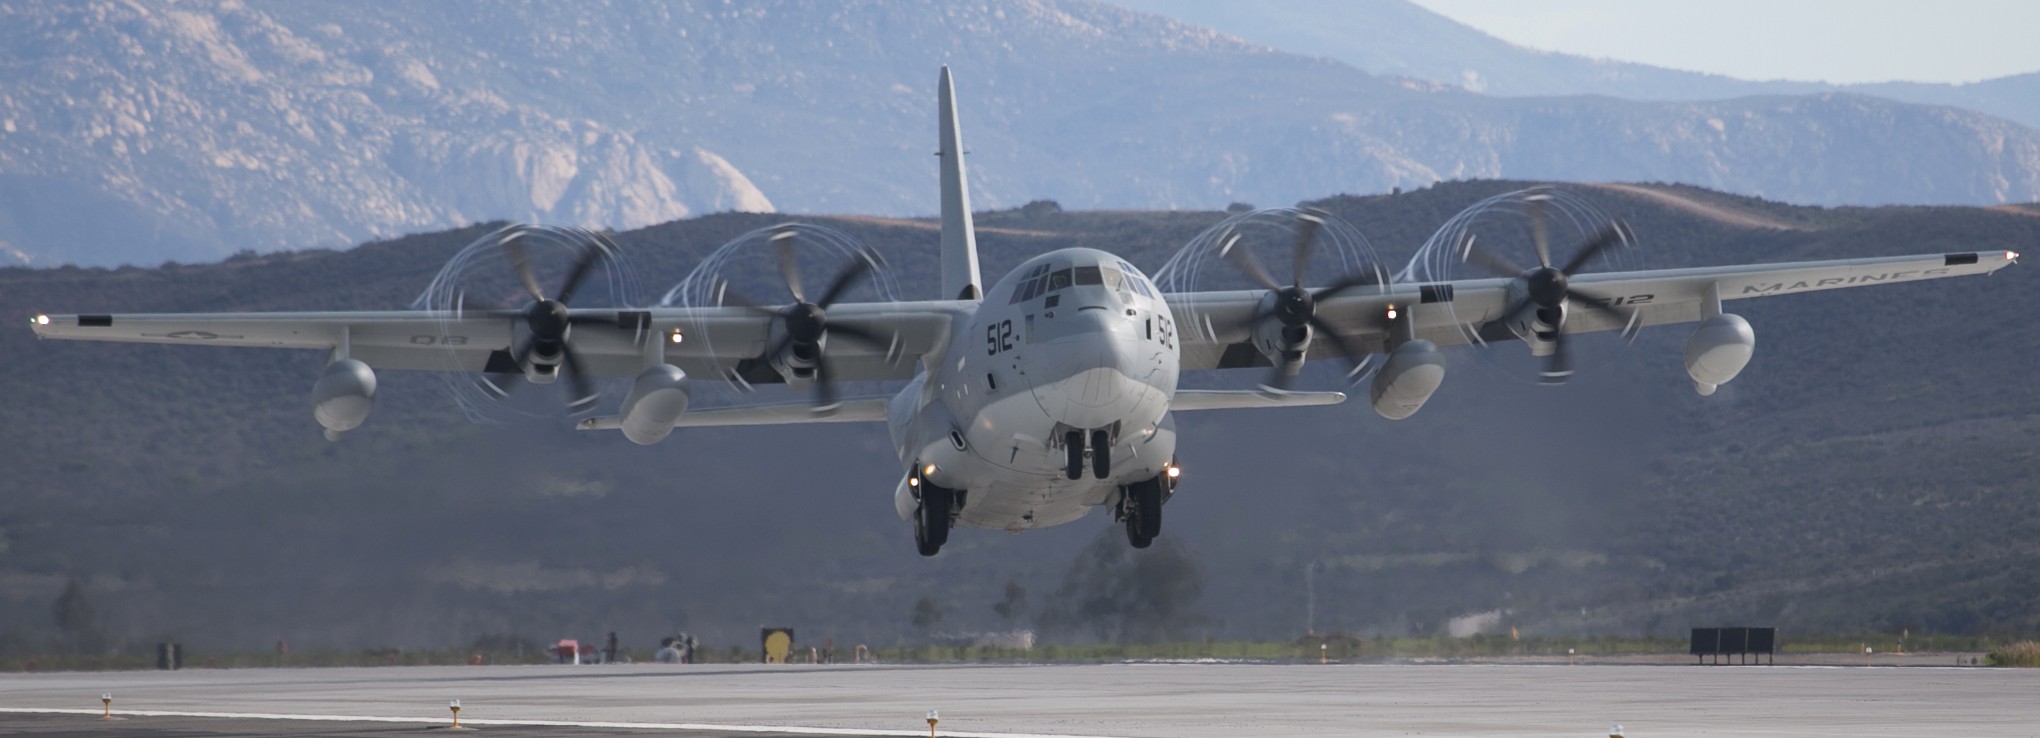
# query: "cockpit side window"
1135,281
1032,285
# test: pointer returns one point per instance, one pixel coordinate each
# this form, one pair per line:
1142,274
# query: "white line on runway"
786,729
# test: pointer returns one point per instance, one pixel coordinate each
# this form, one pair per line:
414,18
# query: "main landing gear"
1140,507
933,517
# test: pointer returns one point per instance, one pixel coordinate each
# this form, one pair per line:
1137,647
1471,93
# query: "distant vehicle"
1047,394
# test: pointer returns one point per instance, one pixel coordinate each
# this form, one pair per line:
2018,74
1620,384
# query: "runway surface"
1132,700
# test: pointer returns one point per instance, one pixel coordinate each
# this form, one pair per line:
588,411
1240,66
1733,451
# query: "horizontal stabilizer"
863,410
1236,399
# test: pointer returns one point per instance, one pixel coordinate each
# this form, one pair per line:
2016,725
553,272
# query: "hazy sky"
1833,40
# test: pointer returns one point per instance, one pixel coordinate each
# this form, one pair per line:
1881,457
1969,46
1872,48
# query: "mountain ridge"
138,133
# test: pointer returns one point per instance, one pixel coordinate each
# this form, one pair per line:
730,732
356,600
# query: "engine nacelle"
343,396
655,402
1413,372
1718,351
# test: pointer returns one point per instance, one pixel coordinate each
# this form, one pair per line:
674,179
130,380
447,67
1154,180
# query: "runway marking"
783,729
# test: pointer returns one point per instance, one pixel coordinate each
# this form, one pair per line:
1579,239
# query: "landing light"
2011,256
913,481
928,470
1391,312
41,320
676,337
1175,471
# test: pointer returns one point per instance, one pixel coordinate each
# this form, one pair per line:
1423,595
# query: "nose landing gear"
1100,453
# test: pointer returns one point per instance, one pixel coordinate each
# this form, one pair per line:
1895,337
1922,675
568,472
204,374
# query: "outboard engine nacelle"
343,396
655,402
1718,351
1413,372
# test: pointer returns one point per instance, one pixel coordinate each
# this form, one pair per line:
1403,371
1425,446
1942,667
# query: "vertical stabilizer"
960,280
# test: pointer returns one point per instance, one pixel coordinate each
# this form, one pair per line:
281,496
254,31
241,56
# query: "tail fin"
960,278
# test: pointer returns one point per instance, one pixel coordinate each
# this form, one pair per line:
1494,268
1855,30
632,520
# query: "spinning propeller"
1547,288
806,324
547,320
1295,306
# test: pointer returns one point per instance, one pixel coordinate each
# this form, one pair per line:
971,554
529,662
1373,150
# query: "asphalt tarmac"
1134,700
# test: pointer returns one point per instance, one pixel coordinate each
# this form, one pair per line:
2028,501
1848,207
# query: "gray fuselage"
1073,340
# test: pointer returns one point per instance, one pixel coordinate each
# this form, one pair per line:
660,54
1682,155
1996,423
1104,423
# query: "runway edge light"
106,705
1615,731
933,715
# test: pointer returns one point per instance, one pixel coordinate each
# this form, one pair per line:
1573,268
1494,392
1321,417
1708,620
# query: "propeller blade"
515,250
1244,260
1346,348
500,385
727,295
1494,263
1628,318
1540,234
1306,237
584,393
1277,381
1608,236
850,273
825,385
589,255
1558,365
1350,282
789,264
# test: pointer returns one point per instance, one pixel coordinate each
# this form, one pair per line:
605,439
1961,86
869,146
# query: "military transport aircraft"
1047,393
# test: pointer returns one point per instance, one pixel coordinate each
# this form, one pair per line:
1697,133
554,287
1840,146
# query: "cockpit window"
1039,281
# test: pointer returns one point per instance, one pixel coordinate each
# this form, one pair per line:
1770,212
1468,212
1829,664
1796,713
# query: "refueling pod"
343,396
655,402
1718,351
1413,372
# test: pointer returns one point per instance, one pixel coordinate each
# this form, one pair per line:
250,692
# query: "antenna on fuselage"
960,280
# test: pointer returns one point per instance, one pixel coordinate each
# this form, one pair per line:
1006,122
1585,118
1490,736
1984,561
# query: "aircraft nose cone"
1093,385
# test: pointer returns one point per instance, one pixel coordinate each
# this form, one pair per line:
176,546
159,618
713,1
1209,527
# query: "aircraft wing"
714,343
1215,333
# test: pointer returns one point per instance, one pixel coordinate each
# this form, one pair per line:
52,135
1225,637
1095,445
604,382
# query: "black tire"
1073,443
931,528
1147,507
1101,454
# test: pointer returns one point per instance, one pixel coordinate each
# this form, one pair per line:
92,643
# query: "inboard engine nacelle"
1718,351
655,402
1413,372
343,396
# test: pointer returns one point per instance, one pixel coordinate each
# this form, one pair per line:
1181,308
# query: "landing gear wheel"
1143,512
931,520
1101,454
1073,443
